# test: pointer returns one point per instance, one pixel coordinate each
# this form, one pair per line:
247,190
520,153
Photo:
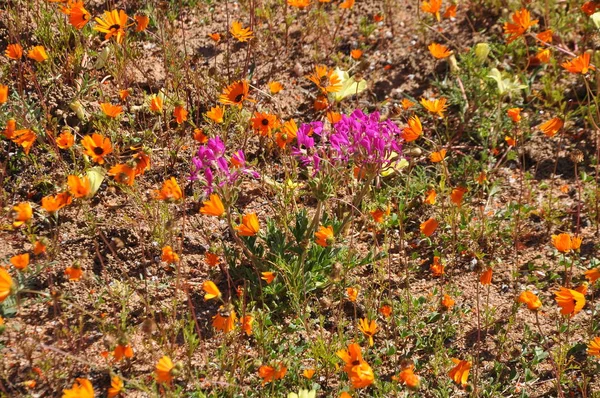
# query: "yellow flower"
368,328
112,23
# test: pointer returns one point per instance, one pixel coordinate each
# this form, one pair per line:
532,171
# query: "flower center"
115,27
265,122
98,151
239,98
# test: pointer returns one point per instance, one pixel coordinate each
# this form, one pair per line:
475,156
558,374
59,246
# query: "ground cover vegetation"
299,198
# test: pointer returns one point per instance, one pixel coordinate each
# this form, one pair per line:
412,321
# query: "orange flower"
54,203
436,106
334,117
589,7
180,114
368,328
562,242
111,110
123,174
268,277
213,206
432,7
9,132
239,32
430,197
23,213
215,36
169,191
142,22
65,140
168,255
531,300
570,301
20,261
510,141
438,156
247,321
216,114
460,373
436,267
352,356
361,375
593,347
3,94
116,387
414,129
439,51
521,22
545,36
486,277
378,214
308,373
287,134
97,147
235,94
123,351
14,51
352,294
408,377
212,259
450,11
79,187
457,194
320,103
156,103
428,227
356,53
551,127
298,3
78,15
6,284
576,242
583,288
514,114
225,319
74,273
275,87
164,370
82,388
250,225
112,23
264,123
326,80
142,162
211,290
407,104
200,137
269,374
579,64
25,138
592,275
347,4
37,53
447,302
124,94
324,236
